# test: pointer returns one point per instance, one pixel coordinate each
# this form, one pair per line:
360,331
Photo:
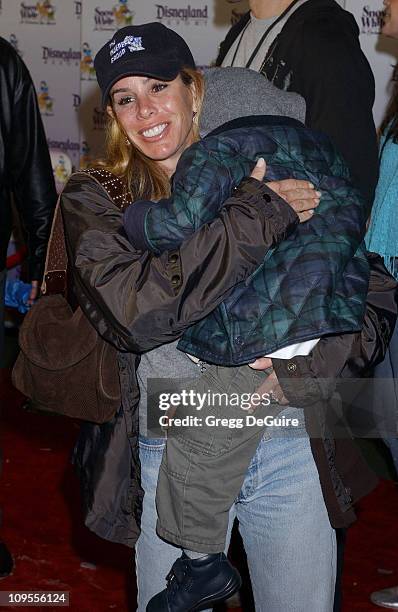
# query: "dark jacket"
317,54
312,284
139,301
25,166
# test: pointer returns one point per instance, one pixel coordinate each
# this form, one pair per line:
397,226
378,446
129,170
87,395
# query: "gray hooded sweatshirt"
231,93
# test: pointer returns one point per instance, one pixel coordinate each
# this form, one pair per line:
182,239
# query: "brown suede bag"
64,366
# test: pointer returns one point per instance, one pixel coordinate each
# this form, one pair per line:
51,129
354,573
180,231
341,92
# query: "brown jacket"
138,301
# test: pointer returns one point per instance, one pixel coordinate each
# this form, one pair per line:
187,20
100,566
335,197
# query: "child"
314,283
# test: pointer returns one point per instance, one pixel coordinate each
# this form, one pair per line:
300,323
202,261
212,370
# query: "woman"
139,302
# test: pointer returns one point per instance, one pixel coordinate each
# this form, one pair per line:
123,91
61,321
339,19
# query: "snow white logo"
371,20
42,12
112,19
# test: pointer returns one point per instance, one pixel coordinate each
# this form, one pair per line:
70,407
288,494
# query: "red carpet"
39,496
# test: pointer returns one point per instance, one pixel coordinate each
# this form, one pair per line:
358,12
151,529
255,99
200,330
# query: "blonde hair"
143,176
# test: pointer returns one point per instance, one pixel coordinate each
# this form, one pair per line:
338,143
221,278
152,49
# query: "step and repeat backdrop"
58,40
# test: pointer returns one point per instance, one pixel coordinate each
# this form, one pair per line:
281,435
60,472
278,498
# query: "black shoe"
196,584
6,561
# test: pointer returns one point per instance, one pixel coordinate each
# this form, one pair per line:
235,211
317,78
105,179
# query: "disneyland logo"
64,145
181,14
78,8
99,118
41,12
113,19
62,55
371,20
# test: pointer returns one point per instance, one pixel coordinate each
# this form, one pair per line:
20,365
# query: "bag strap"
56,266
113,185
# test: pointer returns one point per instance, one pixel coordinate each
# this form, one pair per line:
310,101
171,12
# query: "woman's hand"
271,384
300,195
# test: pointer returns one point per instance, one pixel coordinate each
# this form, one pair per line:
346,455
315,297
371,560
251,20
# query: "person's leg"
154,556
290,544
193,509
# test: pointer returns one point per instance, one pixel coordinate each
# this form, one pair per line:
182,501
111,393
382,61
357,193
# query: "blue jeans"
289,542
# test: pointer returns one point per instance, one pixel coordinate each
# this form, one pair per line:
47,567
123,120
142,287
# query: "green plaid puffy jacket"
312,284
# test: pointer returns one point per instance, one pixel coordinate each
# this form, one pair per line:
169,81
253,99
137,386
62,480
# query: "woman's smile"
156,131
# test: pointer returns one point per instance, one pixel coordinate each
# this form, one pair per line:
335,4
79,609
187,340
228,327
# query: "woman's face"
156,116
390,26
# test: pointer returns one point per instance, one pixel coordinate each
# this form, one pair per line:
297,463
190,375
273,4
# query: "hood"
231,93
313,11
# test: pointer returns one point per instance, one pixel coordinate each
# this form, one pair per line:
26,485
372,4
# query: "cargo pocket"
206,427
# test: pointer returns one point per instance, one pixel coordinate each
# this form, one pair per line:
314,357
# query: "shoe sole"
233,586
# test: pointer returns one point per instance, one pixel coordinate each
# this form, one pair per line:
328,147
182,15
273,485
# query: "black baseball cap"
149,49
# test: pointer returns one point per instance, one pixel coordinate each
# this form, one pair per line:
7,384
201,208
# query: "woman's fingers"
300,195
262,363
305,216
286,185
259,169
304,208
271,388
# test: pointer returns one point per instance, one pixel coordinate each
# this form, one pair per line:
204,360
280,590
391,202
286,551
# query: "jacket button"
267,197
239,340
175,279
173,258
291,367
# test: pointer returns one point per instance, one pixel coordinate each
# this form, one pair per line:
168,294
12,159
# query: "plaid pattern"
312,284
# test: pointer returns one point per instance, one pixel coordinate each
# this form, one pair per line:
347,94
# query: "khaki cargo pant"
205,462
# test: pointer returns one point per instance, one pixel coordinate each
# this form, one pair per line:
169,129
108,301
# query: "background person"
26,175
312,47
382,238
